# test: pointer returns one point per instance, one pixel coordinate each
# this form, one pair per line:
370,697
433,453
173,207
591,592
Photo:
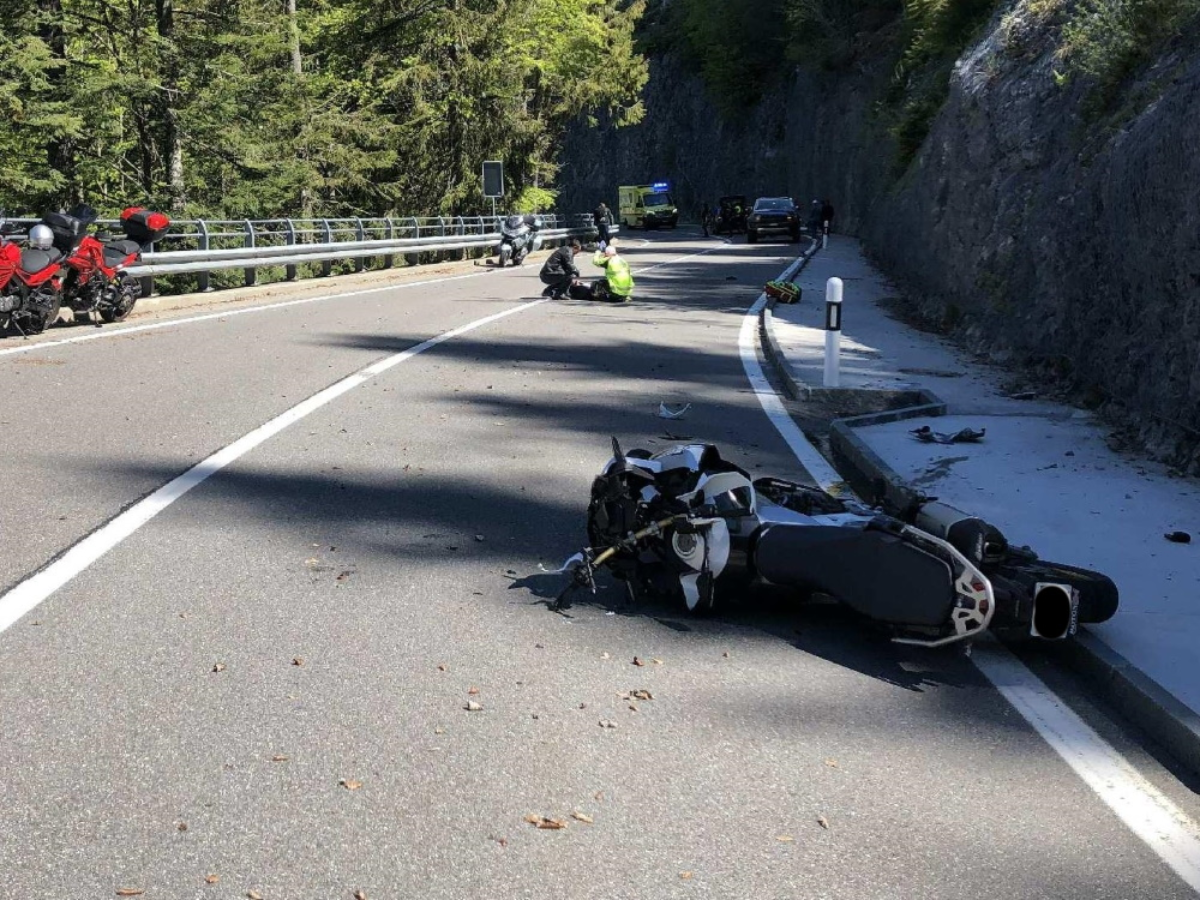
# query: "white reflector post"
833,330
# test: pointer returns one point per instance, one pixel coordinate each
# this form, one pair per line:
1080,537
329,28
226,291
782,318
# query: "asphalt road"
263,688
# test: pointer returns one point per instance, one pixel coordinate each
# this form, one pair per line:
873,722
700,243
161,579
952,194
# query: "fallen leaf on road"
442,668
183,826
725,655
642,695
254,895
583,706
472,691
823,822
551,824
472,706
657,662
786,838
279,757
599,795
218,667
344,574
633,707
607,723
212,879
297,660
350,784
502,841
129,892
311,561
832,763
360,895
638,662
181,615
604,655
582,817
685,875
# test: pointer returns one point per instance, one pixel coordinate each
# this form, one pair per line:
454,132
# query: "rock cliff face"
1067,248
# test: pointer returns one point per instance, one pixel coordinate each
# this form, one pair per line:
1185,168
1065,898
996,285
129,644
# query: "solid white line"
229,313
1142,807
34,590
1150,815
31,592
817,466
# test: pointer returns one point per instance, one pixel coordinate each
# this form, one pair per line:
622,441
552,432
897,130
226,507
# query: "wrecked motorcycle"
686,522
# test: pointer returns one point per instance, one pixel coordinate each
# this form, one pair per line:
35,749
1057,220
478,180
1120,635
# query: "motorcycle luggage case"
143,225
68,230
873,572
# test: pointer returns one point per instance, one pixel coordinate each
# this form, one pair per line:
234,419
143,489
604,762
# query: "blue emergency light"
660,186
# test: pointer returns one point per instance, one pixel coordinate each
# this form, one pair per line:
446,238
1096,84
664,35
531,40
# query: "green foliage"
257,108
738,48
832,34
1109,39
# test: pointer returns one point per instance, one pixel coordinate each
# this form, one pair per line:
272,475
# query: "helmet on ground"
41,237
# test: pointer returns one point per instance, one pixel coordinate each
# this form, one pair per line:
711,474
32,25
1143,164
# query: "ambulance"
646,206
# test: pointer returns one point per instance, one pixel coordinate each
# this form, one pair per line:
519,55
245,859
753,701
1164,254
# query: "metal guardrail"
201,246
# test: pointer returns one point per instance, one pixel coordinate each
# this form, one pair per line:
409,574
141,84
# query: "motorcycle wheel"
119,311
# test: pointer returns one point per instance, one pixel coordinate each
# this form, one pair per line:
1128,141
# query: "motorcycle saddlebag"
68,230
143,225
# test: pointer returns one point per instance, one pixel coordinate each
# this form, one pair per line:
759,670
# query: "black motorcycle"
687,523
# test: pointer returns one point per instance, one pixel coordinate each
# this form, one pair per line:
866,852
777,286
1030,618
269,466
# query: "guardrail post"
413,259
388,233
291,240
327,265
359,261
251,274
202,240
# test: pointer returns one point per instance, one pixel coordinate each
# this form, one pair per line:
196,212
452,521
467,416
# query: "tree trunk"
294,37
168,109
60,152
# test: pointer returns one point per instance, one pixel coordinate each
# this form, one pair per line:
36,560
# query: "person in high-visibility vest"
618,284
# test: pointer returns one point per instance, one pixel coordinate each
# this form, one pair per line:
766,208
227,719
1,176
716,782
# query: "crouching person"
617,285
560,272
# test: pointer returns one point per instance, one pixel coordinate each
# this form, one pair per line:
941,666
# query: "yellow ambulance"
646,206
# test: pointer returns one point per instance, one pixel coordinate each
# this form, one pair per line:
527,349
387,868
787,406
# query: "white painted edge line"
35,589
1150,815
809,456
1140,805
31,592
229,313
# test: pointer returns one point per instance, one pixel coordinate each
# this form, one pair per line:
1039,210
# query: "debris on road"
545,822
1178,537
350,784
637,662
673,410
212,879
218,667
472,706
607,723
823,822
130,892
964,436
582,817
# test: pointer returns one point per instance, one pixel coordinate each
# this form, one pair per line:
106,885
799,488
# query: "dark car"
773,215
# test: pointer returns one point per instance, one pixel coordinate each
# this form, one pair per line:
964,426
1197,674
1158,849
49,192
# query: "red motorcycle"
10,254
31,295
96,283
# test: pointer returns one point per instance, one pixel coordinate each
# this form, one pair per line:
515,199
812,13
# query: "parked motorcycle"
10,253
31,297
687,523
519,236
96,284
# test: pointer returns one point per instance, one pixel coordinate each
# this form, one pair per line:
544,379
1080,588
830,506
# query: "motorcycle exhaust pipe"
1055,611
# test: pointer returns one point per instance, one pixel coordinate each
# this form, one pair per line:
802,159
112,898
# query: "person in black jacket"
827,215
602,219
560,271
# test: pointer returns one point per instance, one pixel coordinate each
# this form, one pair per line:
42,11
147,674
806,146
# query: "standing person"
560,271
602,218
827,215
705,217
814,218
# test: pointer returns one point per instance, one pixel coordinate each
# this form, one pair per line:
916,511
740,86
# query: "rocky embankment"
1064,243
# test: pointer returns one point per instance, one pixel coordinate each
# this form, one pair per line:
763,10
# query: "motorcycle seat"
874,572
116,251
34,260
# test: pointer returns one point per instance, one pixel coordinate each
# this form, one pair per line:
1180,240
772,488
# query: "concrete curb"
1126,687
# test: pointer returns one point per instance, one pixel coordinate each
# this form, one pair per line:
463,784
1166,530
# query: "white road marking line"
1142,807
229,313
808,455
31,592
1150,815
34,590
